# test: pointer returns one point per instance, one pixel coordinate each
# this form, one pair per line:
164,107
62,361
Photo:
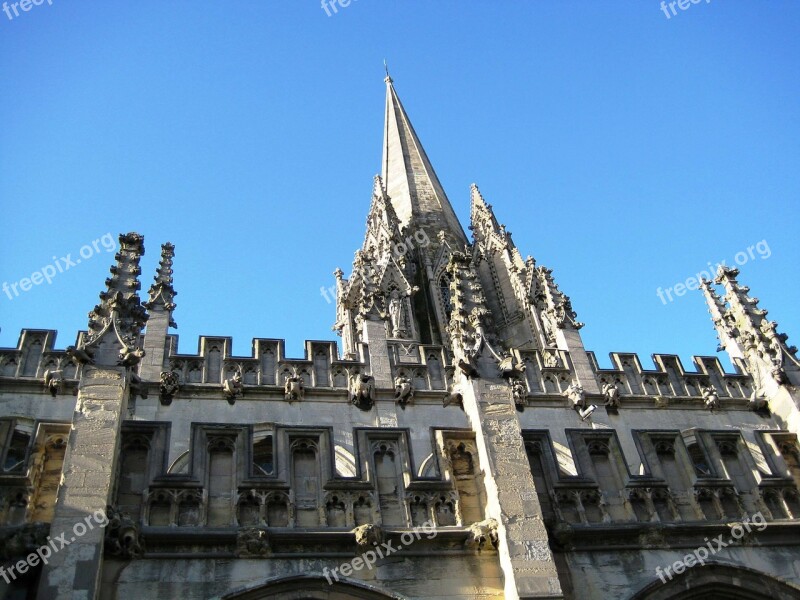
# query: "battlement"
548,371
35,354
670,378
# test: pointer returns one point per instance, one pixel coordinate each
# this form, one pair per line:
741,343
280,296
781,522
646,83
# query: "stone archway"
719,582
311,587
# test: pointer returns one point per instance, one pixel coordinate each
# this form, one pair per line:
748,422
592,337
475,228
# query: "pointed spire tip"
388,78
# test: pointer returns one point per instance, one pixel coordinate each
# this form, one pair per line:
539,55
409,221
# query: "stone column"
88,478
525,557
154,344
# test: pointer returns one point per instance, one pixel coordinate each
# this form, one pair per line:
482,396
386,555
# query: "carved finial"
120,314
162,292
387,79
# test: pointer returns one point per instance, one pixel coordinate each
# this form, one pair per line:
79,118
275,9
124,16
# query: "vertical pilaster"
374,333
155,339
87,485
525,556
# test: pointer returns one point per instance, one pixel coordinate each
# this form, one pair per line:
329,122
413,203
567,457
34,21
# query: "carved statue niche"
168,386
233,387
294,389
362,391
397,311
403,390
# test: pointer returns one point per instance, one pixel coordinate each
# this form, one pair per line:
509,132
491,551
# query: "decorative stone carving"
482,532
453,397
233,387
362,391
757,403
742,327
710,397
470,318
162,293
403,390
611,394
22,540
130,357
368,535
168,387
398,312
120,315
554,306
519,393
509,368
550,358
294,388
122,535
54,382
252,542
80,356
576,395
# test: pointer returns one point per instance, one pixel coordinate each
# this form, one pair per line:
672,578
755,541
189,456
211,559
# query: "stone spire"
115,323
408,176
747,335
162,292
161,305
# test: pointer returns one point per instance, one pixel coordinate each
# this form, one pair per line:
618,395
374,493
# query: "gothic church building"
458,443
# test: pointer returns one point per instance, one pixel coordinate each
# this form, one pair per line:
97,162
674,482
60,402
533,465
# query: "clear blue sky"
624,150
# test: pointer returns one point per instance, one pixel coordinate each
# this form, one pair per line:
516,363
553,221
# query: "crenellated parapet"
267,365
34,355
549,372
669,378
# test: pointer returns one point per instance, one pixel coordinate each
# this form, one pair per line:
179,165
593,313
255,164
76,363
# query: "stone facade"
459,443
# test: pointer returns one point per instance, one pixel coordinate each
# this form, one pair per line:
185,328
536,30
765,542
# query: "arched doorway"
311,587
719,582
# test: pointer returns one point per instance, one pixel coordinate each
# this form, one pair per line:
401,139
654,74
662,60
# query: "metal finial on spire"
388,78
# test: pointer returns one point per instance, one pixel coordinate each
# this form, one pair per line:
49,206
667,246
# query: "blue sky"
623,149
